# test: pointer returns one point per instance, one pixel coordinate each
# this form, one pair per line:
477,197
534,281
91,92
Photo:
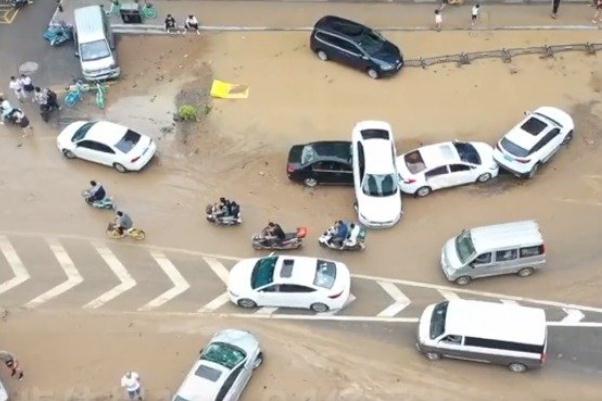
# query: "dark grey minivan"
356,45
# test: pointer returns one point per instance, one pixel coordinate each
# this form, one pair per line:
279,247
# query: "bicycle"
75,93
149,11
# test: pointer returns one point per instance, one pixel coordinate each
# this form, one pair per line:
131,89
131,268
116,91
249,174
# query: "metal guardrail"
505,55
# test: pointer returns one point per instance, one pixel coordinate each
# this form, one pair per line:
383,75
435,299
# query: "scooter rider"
96,193
340,233
123,222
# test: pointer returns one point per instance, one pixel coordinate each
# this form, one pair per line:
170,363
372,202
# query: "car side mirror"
201,351
527,112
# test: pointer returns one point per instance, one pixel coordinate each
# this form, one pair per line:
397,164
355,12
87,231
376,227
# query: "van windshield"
96,50
464,246
438,319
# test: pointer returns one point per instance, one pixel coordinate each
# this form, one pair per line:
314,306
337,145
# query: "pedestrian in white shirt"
27,85
438,20
475,13
131,382
16,86
191,24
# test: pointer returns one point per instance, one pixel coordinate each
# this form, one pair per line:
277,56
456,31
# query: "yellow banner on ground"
225,90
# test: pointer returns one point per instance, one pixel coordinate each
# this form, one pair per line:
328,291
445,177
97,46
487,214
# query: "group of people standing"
191,24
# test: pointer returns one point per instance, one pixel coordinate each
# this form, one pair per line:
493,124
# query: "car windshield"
81,132
513,148
438,319
94,50
129,140
467,152
414,162
380,185
308,154
263,272
371,42
223,354
464,246
533,126
326,273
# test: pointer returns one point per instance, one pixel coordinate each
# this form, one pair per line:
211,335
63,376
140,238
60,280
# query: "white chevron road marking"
179,282
18,268
401,301
216,303
73,276
218,268
266,310
126,281
449,295
572,315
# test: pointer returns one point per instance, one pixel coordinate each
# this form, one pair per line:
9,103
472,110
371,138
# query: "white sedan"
534,141
224,368
290,281
446,164
375,174
106,143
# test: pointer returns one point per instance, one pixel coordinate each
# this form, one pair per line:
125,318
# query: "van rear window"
505,345
531,251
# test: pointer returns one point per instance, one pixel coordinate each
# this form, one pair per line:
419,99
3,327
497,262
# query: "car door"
270,295
450,346
298,296
346,52
231,389
551,144
324,172
506,260
483,265
437,177
460,174
344,173
95,151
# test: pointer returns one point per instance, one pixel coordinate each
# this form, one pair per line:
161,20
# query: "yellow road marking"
7,15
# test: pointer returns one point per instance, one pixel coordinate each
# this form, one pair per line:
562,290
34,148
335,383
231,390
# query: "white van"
94,43
504,334
511,248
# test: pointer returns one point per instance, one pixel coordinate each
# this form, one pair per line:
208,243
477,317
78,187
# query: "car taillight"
135,159
333,296
408,181
543,249
544,358
290,168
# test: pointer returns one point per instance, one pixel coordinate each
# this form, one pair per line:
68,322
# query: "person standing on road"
131,382
11,363
39,96
438,20
475,13
597,16
27,85
16,86
555,5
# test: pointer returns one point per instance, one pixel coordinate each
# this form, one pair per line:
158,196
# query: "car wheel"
319,307
247,303
525,272
322,55
372,73
120,168
68,154
484,177
517,367
310,182
568,138
432,356
422,192
258,360
463,280
533,171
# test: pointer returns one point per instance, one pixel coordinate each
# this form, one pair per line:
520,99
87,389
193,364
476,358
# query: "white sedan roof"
439,154
303,270
106,132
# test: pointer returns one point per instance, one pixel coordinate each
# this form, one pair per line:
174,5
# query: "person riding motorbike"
340,233
123,222
220,209
272,234
234,209
96,193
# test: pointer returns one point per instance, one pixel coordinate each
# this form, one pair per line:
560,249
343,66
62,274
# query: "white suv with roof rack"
534,141
443,165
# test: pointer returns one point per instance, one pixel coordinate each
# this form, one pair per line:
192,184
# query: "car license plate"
510,159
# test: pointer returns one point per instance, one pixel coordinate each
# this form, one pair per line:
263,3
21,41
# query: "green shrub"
188,112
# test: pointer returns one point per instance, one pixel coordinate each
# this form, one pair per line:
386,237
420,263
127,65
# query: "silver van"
511,248
94,42
504,334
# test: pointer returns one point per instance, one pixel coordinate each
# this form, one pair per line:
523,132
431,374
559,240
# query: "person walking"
475,13
191,24
131,382
438,20
12,364
555,5
27,85
17,87
598,15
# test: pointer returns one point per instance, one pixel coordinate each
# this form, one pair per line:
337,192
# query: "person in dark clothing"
234,209
278,232
96,192
170,24
555,5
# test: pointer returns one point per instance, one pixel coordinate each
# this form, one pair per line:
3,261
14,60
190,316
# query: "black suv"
350,43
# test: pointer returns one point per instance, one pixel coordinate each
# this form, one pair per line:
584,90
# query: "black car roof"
339,150
341,26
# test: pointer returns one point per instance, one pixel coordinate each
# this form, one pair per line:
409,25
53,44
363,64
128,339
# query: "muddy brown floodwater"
238,149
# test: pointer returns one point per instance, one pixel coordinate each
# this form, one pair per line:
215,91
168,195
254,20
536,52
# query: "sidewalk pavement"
285,15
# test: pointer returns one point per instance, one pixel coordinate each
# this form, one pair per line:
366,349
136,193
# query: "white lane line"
218,268
572,315
126,281
16,265
480,293
179,282
73,276
216,303
571,324
449,295
266,310
401,301
322,317
509,302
